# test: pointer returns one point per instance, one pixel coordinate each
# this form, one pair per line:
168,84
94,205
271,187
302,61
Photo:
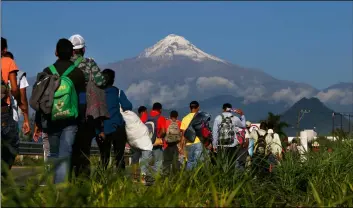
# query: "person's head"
78,43
142,109
109,76
64,49
227,107
263,125
270,125
194,106
3,45
174,115
9,55
157,107
248,125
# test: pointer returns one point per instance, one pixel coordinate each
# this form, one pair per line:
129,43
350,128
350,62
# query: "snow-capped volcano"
175,45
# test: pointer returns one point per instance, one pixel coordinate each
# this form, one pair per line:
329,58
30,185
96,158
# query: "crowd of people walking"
75,102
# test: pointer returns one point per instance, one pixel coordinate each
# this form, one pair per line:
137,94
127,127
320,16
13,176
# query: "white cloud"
157,92
208,83
140,91
343,97
253,94
292,96
148,91
189,79
170,96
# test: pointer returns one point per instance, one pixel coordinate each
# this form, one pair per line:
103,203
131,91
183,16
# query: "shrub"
324,179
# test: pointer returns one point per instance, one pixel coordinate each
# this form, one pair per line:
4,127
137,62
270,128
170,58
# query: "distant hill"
319,117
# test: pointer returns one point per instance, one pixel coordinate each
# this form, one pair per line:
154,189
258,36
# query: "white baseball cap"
270,131
248,124
77,41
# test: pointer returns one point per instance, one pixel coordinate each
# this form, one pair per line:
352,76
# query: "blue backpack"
151,124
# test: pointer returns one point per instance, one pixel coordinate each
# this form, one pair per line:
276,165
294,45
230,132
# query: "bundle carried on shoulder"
96,100
199,126
136,131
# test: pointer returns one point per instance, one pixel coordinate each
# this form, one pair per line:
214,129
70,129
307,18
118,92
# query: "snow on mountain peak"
175,45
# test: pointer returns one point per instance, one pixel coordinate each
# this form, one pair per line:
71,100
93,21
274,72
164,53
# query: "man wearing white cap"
88,65
86,128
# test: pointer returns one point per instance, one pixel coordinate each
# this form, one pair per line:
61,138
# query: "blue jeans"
157,154
10,141
60,141
145,156
194,154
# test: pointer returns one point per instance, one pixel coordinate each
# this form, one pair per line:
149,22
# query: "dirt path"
22,173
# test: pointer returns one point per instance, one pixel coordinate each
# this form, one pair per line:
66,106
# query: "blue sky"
301,41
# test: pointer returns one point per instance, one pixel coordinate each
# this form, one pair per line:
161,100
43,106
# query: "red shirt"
169,121
144,117
161,122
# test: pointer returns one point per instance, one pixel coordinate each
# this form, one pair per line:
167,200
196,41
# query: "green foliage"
278,125
324,179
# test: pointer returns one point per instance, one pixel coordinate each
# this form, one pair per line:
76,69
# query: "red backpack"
240,135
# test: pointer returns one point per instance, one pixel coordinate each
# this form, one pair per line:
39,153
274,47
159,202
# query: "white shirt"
23,83
273,143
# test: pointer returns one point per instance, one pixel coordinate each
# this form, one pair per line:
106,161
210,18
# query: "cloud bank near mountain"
149,91
343,97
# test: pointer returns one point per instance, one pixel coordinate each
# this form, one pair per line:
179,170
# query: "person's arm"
23,105
97,75
99,127
239,122
124,102
162,128
215,132
183,127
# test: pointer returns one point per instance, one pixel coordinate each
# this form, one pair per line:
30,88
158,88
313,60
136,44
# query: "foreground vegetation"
325,179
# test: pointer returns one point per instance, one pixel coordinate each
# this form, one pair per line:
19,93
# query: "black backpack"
261,144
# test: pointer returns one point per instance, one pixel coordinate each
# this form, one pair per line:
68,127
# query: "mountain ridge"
175,78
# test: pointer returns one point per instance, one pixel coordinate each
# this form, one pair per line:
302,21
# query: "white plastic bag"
136,131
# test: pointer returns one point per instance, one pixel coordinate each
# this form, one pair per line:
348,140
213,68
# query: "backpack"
5,90
173,132
43,92
226,133
151,124
206,133
261,144
242,140
65,102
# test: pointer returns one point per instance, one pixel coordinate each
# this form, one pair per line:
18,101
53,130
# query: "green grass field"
324,179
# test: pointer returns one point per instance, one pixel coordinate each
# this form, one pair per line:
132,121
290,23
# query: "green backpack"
65,101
